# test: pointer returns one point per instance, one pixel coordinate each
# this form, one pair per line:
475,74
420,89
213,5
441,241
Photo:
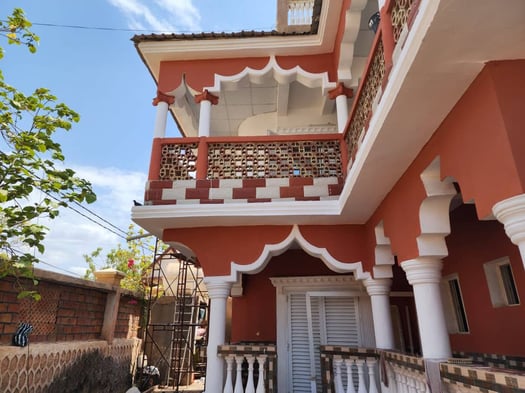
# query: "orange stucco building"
344,187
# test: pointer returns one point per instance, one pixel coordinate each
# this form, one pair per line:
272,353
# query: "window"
455,314
500,280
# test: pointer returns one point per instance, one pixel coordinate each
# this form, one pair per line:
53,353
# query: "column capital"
379,286
511,213
206,96
217,287
340,90
423,270
162,97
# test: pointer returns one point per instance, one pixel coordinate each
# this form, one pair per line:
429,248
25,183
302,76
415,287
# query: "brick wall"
70,309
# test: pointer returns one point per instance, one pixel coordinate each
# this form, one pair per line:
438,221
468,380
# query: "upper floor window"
500,280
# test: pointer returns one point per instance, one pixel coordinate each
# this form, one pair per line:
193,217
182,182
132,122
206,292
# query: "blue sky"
99,74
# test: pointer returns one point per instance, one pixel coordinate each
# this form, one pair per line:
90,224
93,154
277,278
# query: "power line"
129,30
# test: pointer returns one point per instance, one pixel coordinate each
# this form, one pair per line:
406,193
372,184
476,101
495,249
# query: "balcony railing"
374,370
249,368
255,169
396,19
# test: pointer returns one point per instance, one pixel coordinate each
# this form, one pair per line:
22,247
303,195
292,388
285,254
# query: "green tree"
31,161
132,260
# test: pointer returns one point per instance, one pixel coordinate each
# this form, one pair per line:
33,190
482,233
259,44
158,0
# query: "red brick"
335,189
247,183
257,200
210,201
159,184
6,318
197,193
244,193
62,312
151,195
14,308
312,198
301,181
291,192
203,183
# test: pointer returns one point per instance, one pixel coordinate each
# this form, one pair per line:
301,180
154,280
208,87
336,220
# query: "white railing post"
371,364
250,383
238,376
261,359
361,374
228,385
350,375
338,381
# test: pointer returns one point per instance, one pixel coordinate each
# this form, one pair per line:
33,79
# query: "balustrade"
249,368
300,12
396,16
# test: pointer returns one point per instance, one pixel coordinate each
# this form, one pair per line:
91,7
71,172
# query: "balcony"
246,170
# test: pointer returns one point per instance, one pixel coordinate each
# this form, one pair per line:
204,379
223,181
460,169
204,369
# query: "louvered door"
318,318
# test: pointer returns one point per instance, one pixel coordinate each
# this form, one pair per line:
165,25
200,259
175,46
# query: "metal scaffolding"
176,310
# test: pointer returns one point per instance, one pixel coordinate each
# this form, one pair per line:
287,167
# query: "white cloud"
160,15
71,235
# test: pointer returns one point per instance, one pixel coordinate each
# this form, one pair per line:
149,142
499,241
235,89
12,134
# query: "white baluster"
238,377
350,388
228,385
411,385
250,383
338,382
261,359
402,387
371,364
360,372
421,386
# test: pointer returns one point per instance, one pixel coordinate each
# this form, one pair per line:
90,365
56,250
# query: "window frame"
500,286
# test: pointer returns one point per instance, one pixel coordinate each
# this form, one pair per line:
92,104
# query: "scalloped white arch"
295,236
272,70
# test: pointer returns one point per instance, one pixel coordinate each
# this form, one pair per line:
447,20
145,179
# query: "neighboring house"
349,188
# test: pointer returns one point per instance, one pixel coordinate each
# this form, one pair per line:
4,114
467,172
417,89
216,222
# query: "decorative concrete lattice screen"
178,161
400,12
368,93
274,160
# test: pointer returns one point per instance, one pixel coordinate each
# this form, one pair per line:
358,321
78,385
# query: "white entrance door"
318,318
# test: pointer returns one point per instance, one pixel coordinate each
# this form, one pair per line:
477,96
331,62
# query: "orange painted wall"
471,244
201,73
253,314
477,143
217,247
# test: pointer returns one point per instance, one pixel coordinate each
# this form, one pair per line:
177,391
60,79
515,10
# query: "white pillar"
206,100
511,213
204,118
218,291
379,291
424,274
341,94
341,104
160,120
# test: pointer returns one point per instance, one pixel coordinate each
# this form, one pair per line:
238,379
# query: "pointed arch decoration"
295,237
275,71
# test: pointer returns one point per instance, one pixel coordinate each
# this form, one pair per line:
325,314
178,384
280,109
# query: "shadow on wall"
93,372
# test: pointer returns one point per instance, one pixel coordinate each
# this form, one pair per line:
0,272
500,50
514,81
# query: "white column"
205,100
218,291
160,120
511,213
341,105
204,118
379,291
424,274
